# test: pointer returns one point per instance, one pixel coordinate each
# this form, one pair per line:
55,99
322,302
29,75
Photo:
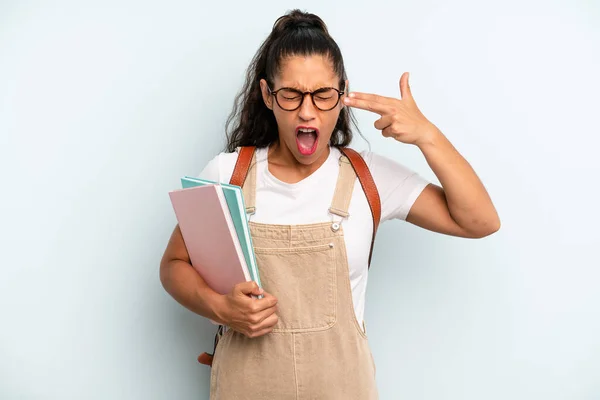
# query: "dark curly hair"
296,33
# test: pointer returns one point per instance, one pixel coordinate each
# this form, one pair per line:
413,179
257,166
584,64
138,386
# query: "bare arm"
462,206
184,284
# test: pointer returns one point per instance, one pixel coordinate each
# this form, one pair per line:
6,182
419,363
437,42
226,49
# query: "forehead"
306,72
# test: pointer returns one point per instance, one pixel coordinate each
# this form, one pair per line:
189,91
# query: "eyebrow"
302,88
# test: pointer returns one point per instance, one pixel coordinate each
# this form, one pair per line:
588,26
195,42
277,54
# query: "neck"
285,167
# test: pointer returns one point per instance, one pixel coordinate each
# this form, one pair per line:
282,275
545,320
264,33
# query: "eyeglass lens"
325,99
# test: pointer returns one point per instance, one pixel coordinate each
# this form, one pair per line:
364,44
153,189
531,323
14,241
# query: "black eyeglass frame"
303,94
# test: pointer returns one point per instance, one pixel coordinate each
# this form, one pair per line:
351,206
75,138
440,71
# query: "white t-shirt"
308,202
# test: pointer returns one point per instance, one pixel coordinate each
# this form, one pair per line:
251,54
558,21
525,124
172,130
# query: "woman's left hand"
400,118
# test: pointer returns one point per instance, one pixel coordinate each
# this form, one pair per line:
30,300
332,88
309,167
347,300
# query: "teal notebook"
237,208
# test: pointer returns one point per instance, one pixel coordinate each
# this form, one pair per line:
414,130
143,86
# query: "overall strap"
368,184
246,155
343,190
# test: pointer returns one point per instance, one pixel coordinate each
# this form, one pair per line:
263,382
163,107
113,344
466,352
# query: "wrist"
431,137
217,307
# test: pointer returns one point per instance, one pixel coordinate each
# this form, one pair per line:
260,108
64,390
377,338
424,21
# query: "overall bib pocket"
306,291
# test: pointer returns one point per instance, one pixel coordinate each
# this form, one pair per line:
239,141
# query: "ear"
267,98
346,91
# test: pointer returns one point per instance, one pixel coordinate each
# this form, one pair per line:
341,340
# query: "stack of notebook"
214,226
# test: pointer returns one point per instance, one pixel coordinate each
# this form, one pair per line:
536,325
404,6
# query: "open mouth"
307,139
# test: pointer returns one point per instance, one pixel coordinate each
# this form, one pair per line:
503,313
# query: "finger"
405,91
259,317
263,328
268,322
367,105
260,333
247,288
390,131
372,97
384,122
256,291
266,302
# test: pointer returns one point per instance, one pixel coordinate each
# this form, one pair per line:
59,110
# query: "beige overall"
317,350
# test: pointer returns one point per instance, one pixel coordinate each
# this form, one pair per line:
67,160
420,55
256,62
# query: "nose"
307,110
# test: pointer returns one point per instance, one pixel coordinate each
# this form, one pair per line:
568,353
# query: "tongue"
307,139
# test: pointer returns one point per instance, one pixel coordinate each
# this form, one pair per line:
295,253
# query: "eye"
325,94
290,95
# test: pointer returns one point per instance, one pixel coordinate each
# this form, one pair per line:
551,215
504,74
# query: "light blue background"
104,105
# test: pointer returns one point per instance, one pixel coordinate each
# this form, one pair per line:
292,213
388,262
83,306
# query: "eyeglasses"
290,99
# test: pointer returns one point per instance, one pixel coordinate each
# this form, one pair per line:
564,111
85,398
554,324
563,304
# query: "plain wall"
104,105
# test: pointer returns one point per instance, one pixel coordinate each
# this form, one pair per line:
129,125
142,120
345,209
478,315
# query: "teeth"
306,130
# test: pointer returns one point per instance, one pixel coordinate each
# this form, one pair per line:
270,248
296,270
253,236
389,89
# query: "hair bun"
297,19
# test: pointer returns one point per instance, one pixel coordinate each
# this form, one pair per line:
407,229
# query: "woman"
312,227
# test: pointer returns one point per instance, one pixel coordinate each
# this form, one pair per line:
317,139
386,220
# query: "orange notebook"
210,236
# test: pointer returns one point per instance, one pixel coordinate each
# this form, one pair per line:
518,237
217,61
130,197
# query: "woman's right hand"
250,316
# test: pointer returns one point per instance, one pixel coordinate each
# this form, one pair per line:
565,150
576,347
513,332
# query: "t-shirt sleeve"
211,170
398,186
220,168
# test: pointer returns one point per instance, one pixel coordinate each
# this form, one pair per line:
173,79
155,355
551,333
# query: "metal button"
335,226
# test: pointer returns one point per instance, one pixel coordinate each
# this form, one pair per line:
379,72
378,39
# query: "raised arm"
461,206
